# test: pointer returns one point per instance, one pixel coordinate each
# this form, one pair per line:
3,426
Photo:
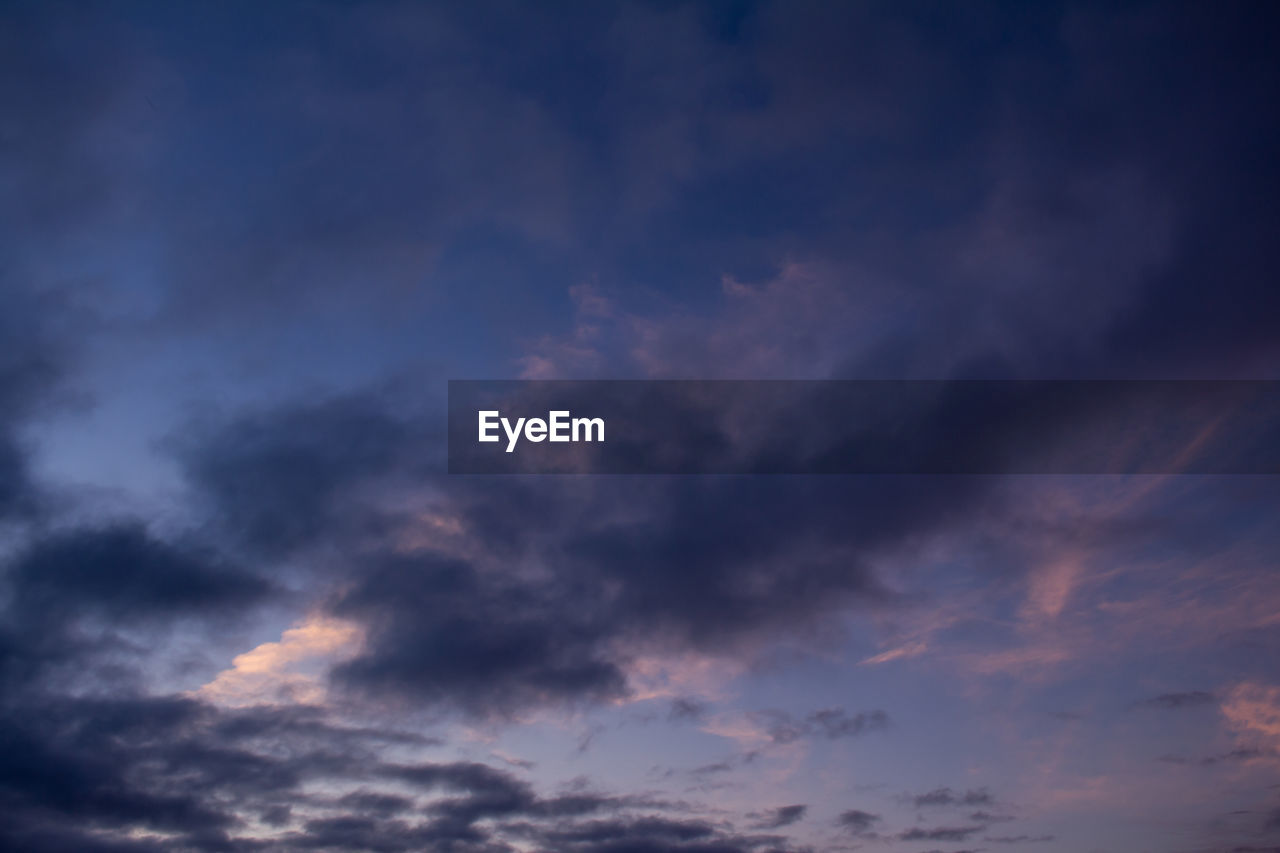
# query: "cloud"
78,598
123,572
117,764
685,709
1176,701
288,478
797,324
754,193
558,594
780,817
826,723
943,833
651,833
153,772
909,650
948,797
1253,711
268,672
715,767
518,607
857,821
370,802
438,629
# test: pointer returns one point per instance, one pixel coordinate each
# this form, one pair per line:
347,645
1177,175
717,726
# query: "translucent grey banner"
864,427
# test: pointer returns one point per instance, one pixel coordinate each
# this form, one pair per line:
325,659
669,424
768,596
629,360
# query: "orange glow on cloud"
1253,710
268,673
907,650
657,677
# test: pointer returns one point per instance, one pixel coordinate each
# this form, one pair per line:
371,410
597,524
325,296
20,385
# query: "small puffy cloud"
779,817
857,821
948,797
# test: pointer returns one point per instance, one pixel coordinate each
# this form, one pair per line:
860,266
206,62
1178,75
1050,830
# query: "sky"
244,247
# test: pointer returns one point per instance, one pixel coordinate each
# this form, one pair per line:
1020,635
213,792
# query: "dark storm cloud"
461,639
113,767
560,580
489,792
1177,701
707,578
287,479
883,427
76,599
127,575
380,805
1106,172
125,762
46,774
663,566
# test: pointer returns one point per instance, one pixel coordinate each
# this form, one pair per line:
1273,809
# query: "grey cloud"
262,182
76,600
828,723
124,572
1018,839
857,821
111,767
780,817
683,709
1177,701
284,479
948,797
942,833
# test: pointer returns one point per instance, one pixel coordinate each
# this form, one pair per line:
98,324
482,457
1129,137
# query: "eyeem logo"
558,426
